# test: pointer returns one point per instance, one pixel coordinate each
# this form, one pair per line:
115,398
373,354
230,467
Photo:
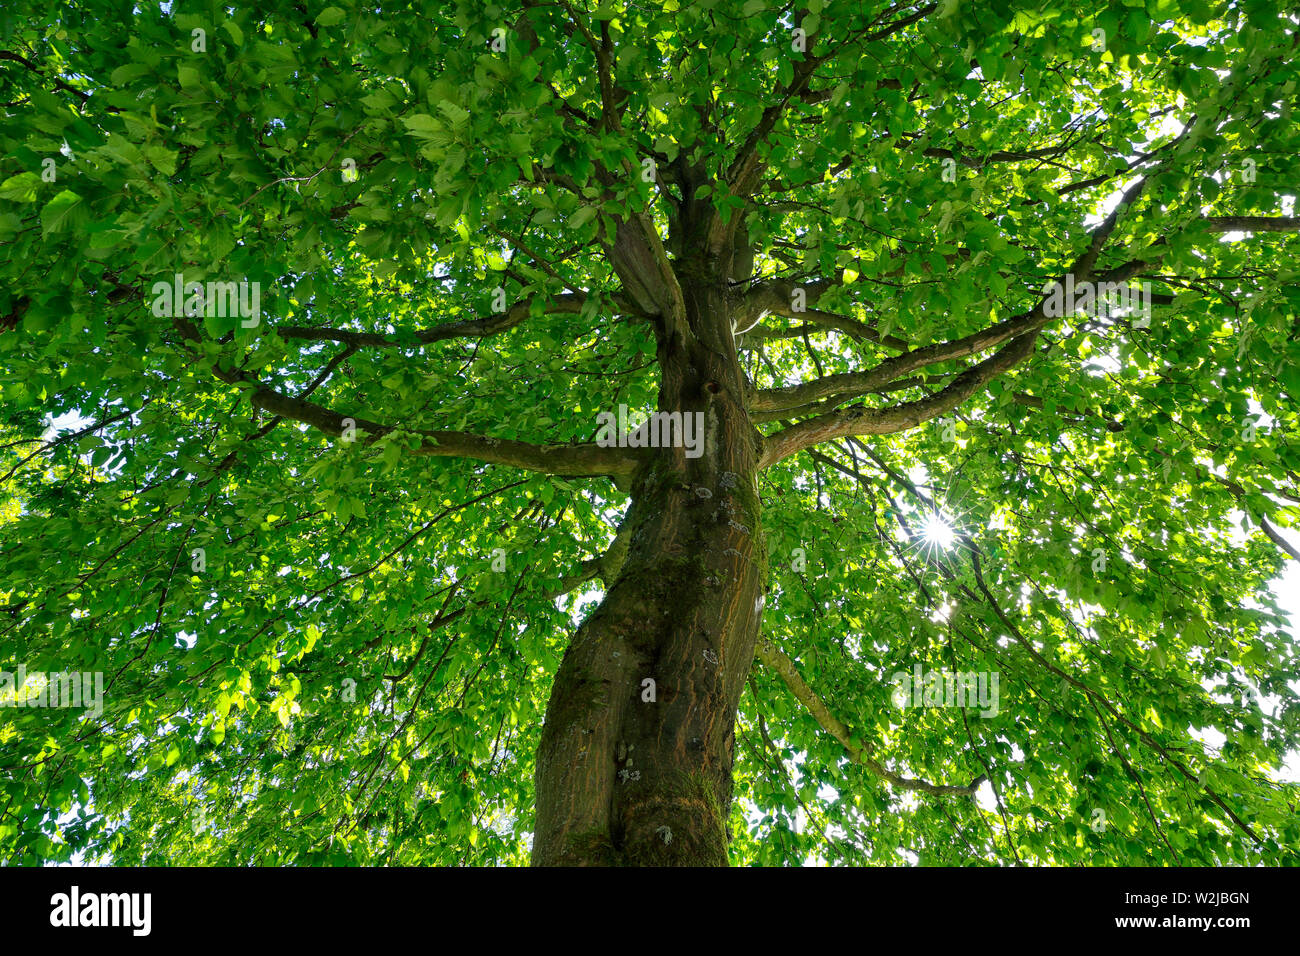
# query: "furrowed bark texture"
627,781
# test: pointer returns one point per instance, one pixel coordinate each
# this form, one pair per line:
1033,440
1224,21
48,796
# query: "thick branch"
547,459
884,421
572,460
851,384
606,566
639,259
1022,330
1278,539
1252,223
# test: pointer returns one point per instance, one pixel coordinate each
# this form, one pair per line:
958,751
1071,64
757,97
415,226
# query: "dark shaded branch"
1252,223
574,460
472,328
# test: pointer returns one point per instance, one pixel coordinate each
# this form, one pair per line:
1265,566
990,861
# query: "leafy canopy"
322,650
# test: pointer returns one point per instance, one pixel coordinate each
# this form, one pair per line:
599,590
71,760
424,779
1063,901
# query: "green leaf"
20,188
164,160
62,213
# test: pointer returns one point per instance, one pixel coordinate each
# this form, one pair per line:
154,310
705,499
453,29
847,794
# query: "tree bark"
631,773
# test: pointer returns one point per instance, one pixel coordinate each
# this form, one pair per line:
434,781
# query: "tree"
964,340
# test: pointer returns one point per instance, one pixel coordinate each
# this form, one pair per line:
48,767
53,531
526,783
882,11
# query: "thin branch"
473,328
771,656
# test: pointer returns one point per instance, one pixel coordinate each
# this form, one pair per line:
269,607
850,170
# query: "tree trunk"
635,773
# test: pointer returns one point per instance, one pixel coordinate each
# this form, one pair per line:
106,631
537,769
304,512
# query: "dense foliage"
320,650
